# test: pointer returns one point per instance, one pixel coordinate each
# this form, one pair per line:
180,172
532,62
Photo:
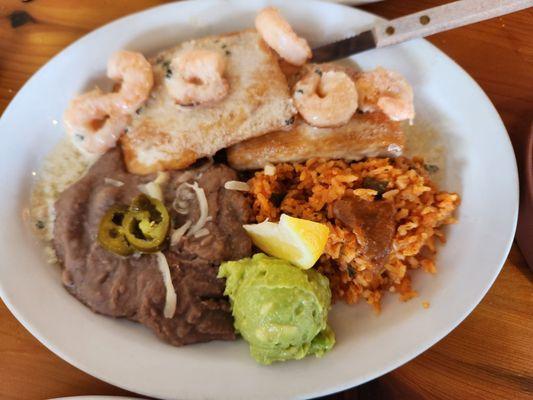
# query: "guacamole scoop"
279,309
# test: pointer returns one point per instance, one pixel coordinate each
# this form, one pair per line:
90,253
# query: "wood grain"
442,18
489,356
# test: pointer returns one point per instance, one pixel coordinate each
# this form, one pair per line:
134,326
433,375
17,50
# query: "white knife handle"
442,18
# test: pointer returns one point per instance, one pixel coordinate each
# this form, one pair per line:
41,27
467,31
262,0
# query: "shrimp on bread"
134,74
198,77
96,120
279,35
364,134
167,135
91,123
326,98
386,91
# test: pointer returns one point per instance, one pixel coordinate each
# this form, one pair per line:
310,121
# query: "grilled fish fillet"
164,135
365,135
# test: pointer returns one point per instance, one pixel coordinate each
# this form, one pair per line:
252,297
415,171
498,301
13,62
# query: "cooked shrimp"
198,77
278,34
326,98
386,91
96,120
136,79
91,121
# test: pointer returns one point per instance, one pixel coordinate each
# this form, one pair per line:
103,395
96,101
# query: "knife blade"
344,48
420,24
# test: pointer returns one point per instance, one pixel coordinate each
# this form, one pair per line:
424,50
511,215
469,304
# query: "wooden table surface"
489,356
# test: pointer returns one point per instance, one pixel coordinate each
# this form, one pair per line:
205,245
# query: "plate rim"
421,348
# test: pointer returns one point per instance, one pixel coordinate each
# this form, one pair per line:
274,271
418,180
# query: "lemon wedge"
299,241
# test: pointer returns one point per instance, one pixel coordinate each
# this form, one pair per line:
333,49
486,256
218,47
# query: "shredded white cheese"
184,195
170,297
182,203
181,206
269,170
237,185
162,178
201,233
154,188
179,233
184,192
202,203
113,182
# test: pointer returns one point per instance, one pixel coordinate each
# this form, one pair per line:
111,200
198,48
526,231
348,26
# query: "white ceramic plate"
97,398
354,2
480,165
